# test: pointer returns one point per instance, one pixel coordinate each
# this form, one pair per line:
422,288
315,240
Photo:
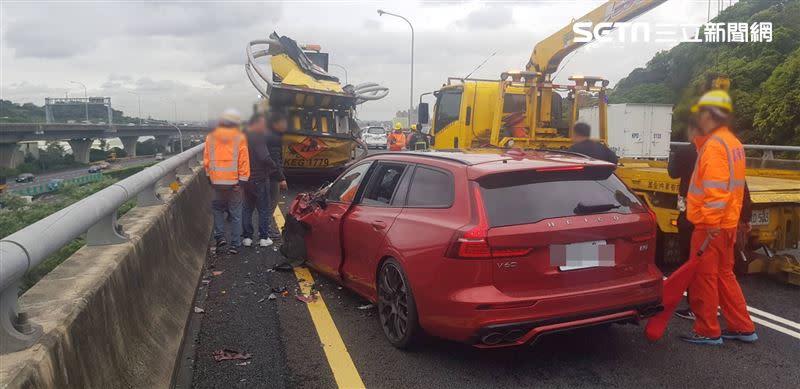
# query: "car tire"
397,309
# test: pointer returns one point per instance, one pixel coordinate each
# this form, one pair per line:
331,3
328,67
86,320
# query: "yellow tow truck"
524,109
323,136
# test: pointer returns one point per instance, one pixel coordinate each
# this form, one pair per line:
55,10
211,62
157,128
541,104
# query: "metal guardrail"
95,215
767,149
45,187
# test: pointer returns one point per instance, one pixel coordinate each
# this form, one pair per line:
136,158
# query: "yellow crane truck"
323,136
525,109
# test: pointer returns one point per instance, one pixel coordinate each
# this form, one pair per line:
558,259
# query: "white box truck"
634,130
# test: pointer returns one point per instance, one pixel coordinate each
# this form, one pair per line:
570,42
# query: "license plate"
582,255
760,217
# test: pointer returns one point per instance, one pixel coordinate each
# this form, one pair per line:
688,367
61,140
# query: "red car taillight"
473,243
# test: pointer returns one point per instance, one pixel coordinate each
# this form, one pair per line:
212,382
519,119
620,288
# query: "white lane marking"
775,327
775,318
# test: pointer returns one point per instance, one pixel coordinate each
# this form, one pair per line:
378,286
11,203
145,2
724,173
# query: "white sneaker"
247,242
265,242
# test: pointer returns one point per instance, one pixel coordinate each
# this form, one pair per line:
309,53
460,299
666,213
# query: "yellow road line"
344,371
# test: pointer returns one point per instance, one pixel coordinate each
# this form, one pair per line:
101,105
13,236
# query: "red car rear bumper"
487,318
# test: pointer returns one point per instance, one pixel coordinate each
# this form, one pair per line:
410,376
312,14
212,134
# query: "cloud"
193,52
490,18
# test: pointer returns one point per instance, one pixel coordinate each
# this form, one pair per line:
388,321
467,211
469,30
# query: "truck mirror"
423,113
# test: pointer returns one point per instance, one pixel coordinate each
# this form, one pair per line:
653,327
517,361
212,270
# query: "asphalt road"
77,172
285,339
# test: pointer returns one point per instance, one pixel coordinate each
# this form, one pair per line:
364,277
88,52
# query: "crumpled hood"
225,134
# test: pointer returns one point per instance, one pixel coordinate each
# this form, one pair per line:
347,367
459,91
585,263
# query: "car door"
368,221
323,240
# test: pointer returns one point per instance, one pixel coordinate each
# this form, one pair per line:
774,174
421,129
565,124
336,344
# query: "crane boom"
548,53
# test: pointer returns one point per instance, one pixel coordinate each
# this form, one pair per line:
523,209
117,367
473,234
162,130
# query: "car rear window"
530,196
376,130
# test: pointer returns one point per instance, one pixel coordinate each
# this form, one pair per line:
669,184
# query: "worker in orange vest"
713,203
396,141
227,163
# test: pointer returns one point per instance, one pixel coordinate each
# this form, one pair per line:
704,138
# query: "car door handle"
335,216
378,224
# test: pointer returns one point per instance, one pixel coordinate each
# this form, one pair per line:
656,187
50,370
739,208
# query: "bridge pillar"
129,144
10,156
30,148
80,149
163,142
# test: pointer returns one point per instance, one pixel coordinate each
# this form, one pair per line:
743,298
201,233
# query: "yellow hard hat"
397,126
714,98
414,127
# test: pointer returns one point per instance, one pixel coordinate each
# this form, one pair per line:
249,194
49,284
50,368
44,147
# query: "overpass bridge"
148,303
81,136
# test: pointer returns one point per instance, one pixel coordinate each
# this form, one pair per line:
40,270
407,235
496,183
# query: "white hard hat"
231,116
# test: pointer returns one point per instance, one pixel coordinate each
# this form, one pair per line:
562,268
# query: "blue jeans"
226,198
256,198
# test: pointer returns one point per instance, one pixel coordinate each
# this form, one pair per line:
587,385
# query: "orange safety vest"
716,189
399,141
225,156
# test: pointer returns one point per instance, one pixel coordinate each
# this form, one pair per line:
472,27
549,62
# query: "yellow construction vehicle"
524,109
323,136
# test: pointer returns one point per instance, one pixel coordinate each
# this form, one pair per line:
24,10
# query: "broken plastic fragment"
228,354
306,298
366,307
216,273
199,310
272,296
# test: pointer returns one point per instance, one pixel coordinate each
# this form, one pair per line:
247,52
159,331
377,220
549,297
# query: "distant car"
375,137
487,249
131,124
95,169
54,183
25,177
159,157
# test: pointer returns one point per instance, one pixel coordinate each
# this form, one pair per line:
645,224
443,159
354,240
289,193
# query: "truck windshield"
448,105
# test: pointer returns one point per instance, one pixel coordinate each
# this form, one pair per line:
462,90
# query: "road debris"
228,354
284,266
217,273
262,300
306,298
279,289
271,296
245,363
366,307
199,310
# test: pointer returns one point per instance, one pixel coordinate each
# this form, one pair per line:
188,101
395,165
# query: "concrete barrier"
114,316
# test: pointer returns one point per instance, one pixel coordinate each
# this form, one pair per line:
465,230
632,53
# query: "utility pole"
411,91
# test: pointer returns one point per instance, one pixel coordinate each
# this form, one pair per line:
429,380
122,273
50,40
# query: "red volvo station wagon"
488,249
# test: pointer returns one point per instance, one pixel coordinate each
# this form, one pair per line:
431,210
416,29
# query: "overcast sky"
193,52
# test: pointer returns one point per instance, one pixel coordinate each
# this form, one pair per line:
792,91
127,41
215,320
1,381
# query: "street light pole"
86,97
180,136
343,69
411,92
139,99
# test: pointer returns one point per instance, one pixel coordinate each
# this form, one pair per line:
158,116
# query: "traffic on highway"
423,194
32,180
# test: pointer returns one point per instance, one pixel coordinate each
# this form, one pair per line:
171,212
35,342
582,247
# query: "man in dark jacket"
681,166
256,190
277,125
582,143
